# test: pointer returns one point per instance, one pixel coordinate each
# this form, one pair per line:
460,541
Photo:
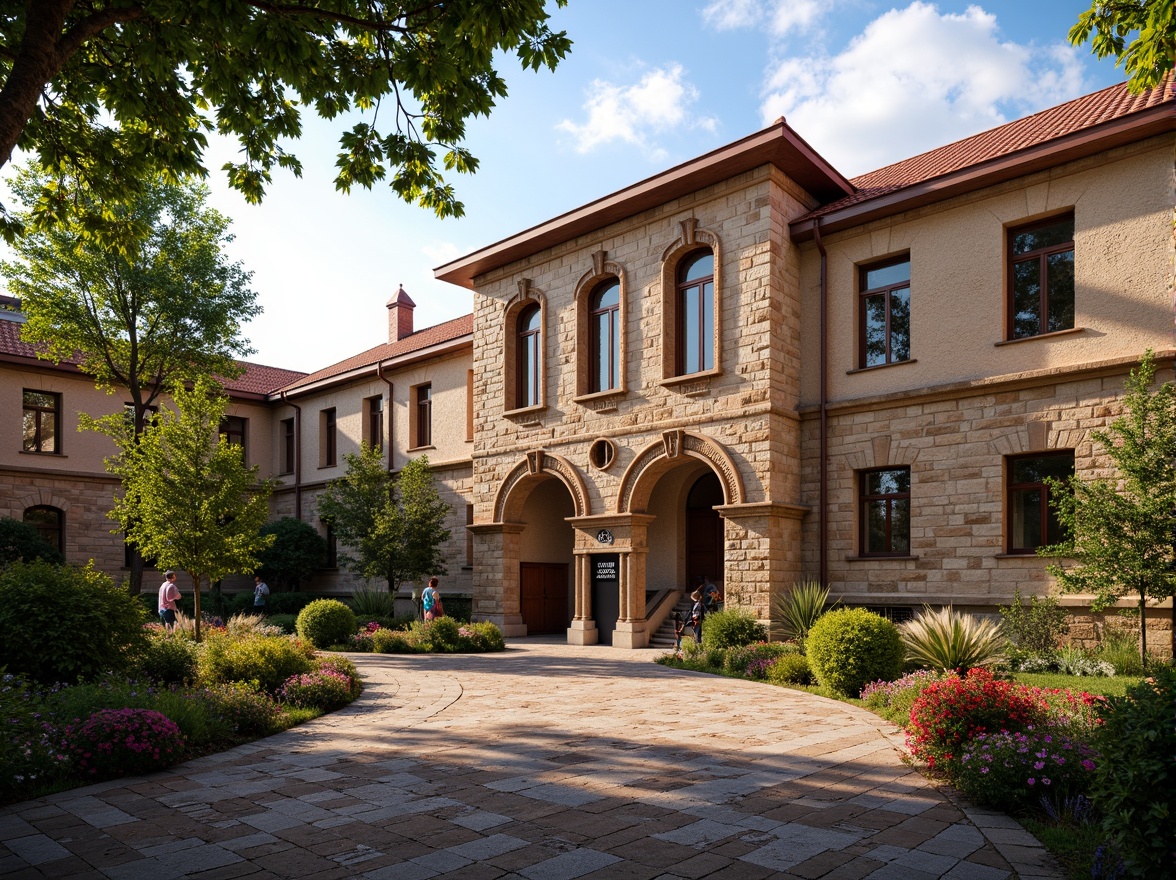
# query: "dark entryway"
544,599
606,596
704,530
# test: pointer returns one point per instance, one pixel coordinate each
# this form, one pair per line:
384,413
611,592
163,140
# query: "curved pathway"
547,762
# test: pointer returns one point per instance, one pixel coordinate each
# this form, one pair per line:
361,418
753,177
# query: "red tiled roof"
1108,105
257,379
418,341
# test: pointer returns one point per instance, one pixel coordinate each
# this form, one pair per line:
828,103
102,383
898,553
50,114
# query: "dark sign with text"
604,567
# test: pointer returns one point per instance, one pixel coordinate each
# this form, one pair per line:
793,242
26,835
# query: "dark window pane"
607,296
702,266
1026,525
900,324
888,482
888,275
875,307
1044,236
877,540
1060,290
900,526
1026,299
529,320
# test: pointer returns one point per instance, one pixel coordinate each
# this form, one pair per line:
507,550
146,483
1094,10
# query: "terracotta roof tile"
421,339
1107,105
257,379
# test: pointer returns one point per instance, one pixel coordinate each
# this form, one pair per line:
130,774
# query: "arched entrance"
704,530
546,559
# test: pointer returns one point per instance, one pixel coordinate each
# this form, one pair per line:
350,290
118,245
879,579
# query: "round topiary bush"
326,622
262,661
60,623
847,648
790,669
731,628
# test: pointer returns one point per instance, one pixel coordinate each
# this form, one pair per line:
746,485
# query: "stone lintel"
505,528
763,508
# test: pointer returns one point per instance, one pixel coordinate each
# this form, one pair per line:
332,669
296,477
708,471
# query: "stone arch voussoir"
660,456
538,465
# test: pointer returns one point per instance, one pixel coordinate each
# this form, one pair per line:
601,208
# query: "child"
679,629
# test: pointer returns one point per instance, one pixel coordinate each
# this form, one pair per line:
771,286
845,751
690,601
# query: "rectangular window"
424,415
288,446
885,309
41,422
327,438
374,428
885,505
1041,278
469,404
1032,522
332,560
469,542
232,428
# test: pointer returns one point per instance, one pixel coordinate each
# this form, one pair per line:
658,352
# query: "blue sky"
648,84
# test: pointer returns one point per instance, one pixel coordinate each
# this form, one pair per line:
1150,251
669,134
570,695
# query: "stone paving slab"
546,762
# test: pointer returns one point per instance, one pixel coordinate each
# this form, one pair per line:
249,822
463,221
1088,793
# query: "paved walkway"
547,762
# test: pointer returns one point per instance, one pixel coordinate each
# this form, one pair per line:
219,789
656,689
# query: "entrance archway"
704,531
546,565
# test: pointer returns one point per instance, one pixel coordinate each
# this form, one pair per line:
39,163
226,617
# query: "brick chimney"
400,315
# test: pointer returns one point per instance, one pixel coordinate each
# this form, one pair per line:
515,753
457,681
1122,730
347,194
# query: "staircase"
663,636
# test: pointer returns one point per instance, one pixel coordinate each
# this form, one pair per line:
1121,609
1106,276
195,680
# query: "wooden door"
543,597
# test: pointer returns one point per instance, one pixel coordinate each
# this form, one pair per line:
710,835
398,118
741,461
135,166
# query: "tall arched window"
528,354
50,522
696,313
604,313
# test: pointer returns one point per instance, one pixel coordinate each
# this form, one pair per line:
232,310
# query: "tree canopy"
161,305
188,499
113,91
1140,34
1121,531
393,526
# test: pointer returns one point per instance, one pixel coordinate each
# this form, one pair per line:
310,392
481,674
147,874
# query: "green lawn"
1116,686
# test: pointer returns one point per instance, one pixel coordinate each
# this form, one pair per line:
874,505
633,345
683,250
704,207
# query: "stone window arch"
50,522
692,305
601,329
524,355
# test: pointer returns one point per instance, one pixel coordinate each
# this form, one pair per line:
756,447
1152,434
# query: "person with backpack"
697,615
431,601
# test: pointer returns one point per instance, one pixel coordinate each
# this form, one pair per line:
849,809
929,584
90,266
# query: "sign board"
604,567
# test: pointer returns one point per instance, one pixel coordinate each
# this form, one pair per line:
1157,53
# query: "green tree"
21,542
113,91
1140,34
298,549
1120,532
188,499
393,526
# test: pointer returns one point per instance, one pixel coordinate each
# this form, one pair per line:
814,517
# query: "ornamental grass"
950,641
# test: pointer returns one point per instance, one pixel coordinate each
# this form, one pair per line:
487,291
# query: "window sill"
1025,554
420,448
1053,335
871,369
42,454
880,558
594,396
323,467
525,411
691,377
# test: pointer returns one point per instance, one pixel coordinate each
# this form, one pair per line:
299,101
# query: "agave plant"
798,609
367,603
946,640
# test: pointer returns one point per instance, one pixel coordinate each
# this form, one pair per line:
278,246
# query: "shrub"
441,635
386,641
344,667
753,660
893,699
950,712
326,622
266,660
249,712
732,628
790,669
30,749
322,689
1135,781
1120,648
1012,769
21,542
1035,627
251,623
167,658
60,623
946,640
287,623
849,647
481,638
368,604
124,742
799,608
297,551
1072,660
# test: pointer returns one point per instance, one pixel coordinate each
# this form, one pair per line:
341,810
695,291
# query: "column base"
583,632
630,634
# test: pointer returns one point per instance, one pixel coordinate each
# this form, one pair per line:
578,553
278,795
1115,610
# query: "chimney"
400,315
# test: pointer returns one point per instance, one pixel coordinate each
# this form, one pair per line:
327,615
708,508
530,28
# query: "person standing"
431,601
260,591
697,614
169,594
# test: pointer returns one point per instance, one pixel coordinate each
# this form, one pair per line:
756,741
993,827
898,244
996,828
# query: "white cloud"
633,114
915,80
783,17
728,15
797,15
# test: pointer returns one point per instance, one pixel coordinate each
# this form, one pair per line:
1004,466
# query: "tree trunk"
196,599
37,62
1143,627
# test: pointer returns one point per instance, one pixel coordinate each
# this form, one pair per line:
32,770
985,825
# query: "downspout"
297,456
380,374
823,503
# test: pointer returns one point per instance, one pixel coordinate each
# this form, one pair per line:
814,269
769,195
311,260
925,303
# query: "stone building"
752,369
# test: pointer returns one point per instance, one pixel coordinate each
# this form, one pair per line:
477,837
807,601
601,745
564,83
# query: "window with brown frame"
41,422
604,316
885,509
374,409
50,522
528,357
1041,277
233,428
328,438
884,332
288,447
1033,522
696,313
424,415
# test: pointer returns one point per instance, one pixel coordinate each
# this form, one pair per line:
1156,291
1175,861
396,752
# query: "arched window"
528,354
604,313
696,313
50,522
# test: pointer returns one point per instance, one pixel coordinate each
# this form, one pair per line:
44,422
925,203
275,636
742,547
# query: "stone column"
583,630
763,553
497,592
627,539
